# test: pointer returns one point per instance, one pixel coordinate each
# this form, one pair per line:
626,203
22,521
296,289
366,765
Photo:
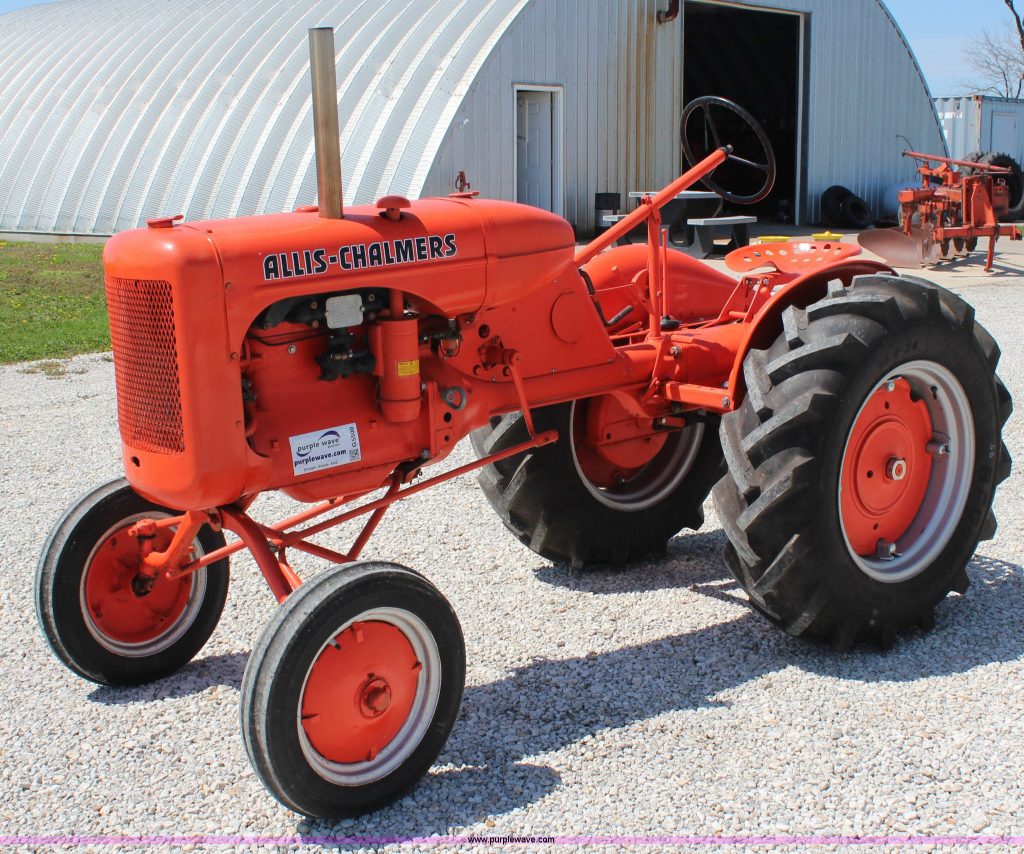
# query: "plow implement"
945,217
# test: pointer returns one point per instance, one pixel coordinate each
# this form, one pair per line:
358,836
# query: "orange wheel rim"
886,468
612,445
360,692
116,611
624,461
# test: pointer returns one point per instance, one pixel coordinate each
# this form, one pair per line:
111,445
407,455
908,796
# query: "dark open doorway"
751,57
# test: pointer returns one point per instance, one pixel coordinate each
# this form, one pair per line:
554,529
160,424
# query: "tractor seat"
793,256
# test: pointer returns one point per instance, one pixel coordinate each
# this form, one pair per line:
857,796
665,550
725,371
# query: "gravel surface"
649,701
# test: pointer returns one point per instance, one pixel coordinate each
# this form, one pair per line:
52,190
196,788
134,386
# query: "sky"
936,30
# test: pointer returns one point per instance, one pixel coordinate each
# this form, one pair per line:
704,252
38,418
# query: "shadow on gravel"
194,678
692,559
550,704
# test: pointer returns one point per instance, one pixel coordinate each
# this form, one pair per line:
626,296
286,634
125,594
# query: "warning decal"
409,368
324,449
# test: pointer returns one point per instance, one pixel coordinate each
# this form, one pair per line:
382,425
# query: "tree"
998,59
1016,20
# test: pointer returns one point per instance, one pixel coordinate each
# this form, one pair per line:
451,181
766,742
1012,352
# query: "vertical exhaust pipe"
325,121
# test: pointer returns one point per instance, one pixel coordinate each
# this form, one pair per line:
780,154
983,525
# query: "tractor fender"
767,324
697,291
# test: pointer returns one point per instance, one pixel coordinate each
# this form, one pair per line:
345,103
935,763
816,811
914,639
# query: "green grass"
52,303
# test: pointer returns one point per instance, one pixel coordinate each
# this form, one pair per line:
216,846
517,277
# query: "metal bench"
637,235
703,230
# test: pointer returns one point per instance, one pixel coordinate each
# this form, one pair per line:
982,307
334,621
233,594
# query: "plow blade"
898,250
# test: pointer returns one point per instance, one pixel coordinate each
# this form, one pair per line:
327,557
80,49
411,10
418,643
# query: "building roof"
112,112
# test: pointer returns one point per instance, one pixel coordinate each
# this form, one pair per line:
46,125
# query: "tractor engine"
315,355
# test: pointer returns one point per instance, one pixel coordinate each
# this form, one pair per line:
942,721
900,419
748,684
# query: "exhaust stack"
325,121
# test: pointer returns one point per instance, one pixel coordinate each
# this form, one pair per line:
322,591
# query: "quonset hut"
114,112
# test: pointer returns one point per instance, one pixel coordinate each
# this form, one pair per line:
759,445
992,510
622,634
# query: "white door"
534,149
1004,133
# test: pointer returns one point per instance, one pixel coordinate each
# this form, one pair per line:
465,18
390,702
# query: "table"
689,204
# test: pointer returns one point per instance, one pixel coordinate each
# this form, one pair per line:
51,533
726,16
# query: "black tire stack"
843,208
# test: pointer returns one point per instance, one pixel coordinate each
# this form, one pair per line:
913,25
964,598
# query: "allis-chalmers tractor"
846,419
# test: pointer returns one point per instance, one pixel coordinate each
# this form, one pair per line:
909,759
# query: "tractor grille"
145,364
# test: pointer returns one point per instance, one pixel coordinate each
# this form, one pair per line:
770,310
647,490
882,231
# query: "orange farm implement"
946,215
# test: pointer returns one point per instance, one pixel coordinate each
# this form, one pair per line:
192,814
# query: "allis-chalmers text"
359,256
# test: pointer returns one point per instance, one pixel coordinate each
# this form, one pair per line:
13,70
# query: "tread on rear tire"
785,447
543,497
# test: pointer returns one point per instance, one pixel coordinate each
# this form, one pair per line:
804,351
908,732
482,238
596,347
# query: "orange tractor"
846,420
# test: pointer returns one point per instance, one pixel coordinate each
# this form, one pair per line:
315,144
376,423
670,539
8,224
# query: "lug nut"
896,469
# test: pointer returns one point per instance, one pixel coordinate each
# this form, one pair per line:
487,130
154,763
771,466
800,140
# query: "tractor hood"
455,254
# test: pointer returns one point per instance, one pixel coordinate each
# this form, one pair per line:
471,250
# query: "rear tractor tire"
864,460
611,490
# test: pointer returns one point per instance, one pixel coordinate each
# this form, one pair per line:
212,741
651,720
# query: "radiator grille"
145,364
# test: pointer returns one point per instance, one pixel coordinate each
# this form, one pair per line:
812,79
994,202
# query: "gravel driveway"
644,702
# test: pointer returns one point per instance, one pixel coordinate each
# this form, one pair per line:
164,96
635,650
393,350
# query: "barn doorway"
539,147
755,58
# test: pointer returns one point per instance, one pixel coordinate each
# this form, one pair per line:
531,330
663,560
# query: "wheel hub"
612,444
887,467
896,469
359,692
121,608
375,698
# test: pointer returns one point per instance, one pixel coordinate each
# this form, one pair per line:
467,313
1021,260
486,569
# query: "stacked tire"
842,208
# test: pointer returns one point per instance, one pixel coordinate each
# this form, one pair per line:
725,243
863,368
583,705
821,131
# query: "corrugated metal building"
113,111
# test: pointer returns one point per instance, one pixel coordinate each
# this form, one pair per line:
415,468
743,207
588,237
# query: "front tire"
599,499
864,460
92,616
352,689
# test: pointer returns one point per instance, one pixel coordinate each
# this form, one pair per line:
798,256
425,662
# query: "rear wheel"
863,461
352,689
612,489
99,621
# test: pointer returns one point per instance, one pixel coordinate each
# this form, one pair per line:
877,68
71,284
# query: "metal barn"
111,112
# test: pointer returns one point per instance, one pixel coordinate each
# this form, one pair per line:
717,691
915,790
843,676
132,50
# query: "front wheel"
614,488
864,460
352,689
97,620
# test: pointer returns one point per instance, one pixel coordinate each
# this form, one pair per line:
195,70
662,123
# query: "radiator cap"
393,206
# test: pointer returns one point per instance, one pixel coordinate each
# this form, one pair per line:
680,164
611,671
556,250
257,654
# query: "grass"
52,304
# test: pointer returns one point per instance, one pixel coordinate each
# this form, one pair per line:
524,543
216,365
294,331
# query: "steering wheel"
767,168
